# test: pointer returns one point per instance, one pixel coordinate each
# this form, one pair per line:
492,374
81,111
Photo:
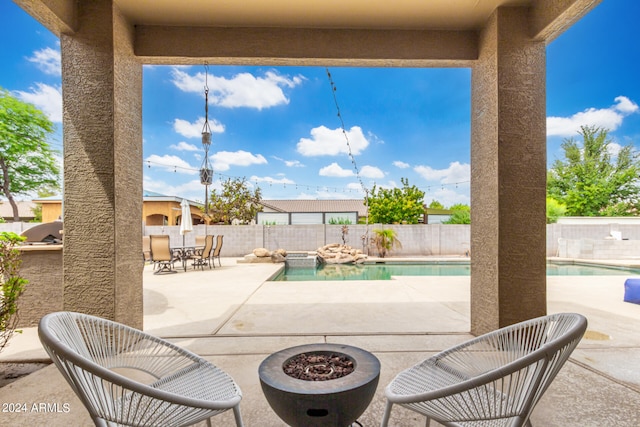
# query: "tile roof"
24,209
333,205
146,194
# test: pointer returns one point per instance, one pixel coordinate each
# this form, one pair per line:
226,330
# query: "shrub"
12,285
385,240
339,221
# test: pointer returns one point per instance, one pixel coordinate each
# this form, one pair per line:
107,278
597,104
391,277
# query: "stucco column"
102,92
508,175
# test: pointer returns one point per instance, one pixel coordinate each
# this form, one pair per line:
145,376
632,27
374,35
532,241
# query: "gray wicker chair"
104,363
494,380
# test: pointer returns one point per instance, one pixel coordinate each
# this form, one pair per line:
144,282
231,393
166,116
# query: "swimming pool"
384,271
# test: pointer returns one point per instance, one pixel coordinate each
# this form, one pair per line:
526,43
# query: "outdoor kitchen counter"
42,267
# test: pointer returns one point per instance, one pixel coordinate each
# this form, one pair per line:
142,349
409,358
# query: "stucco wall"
42,267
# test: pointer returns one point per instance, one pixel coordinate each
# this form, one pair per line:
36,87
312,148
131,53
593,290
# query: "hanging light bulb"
206,172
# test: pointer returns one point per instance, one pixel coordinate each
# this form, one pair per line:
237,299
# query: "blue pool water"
386,270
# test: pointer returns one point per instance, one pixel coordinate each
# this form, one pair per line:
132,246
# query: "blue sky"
279,128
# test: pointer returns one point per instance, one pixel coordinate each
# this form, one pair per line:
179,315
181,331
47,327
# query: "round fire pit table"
336,402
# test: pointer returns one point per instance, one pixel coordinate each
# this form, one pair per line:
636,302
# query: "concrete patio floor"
234,318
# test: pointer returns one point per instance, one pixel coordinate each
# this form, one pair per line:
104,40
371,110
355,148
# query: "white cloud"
614,149
374,138
47,60
289,163
355,186
293,163
448,196
625,105
194,130
223,160
242,90
46,98
331,142
456,172
269,180
371,172
324,194
401,165
608,118
184,146
170,163
335,170
389,185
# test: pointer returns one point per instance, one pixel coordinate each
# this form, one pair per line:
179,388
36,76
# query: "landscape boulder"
262,252
278,257
335,253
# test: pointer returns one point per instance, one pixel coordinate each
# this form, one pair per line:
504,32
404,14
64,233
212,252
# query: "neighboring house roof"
50,199
333,205
24,209
149,196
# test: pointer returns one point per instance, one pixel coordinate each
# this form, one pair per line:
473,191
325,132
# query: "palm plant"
385,240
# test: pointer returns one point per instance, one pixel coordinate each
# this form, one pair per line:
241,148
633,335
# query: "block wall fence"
564,240
416,240
42,264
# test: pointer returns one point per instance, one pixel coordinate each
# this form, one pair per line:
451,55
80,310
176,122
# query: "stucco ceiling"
406,14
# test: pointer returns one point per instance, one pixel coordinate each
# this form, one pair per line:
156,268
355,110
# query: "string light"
303,186
207,133
344,132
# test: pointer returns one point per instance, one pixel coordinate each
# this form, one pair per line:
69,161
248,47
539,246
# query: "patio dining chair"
202,257
494,380
161,255
216,251
146,249
124,376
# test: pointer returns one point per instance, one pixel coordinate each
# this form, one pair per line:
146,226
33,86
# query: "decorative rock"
336,253
277,257
360,258
261,252
252,259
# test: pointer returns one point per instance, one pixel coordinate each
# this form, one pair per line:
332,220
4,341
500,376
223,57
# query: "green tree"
27,163
555,210
590,181
435,205
235,202
461,214
396,205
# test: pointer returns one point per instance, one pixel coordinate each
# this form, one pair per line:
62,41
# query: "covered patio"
235,318
104,44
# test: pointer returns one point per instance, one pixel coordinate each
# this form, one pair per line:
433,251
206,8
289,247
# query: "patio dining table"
184,253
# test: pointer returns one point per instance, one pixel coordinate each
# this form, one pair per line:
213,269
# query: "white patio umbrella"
186,224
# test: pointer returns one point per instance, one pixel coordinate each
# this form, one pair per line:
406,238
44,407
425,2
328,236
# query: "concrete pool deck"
234,318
